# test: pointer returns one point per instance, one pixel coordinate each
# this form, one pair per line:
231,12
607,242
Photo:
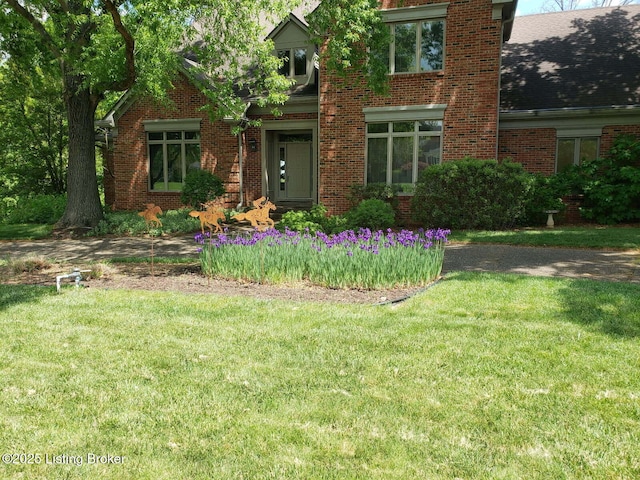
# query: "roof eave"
551,117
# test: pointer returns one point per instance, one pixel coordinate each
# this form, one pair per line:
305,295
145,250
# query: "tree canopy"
105,46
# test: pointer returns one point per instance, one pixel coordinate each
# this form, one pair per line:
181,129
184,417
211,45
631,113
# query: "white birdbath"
550,222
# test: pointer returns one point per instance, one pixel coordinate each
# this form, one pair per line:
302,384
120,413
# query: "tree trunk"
83,200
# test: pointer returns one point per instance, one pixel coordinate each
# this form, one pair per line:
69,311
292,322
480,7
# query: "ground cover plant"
131,223
481,376
364,259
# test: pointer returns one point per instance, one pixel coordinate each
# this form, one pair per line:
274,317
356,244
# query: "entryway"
290,163
295,168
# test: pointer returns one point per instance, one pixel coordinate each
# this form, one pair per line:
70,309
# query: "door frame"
269,141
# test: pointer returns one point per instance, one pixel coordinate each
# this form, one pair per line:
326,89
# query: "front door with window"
295,167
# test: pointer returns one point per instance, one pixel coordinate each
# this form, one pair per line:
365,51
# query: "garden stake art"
259,216
210,217
150,215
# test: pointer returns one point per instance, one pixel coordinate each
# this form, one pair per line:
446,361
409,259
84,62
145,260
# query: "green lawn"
482,376
25,231
576,237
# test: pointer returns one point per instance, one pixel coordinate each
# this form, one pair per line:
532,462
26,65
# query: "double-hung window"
417,35
575,150
400,148
174,150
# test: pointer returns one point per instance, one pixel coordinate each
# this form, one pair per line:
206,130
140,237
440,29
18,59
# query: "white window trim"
579,132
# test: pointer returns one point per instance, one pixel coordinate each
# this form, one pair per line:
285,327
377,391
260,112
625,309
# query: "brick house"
467,78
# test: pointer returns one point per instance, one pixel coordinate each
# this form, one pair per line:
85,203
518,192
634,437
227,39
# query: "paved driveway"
555,262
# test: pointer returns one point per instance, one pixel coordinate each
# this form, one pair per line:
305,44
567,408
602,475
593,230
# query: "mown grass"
24,231
577,237
482,376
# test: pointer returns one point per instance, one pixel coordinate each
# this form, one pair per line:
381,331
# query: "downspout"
242,125
240,168
509,20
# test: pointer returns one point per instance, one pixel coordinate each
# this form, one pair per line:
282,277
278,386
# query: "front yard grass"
25,231
592,236
481,376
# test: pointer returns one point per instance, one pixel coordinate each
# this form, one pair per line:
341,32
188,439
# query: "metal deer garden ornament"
259,216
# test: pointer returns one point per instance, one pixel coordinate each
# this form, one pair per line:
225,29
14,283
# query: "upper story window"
174,150
294,48
416,47
294,62
417,38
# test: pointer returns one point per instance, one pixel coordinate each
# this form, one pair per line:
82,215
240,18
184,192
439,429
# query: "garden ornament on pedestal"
259,216
550,222
210,217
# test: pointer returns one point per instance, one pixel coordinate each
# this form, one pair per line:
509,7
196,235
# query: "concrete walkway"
553,262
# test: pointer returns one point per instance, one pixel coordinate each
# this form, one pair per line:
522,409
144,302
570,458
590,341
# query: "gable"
291,33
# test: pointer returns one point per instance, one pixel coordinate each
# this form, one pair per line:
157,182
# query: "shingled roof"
578,58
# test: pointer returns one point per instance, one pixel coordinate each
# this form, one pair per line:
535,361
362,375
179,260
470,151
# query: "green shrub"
471,194
373,213
200,187
40,209
611,184
381,191
545,193
314,220
131,223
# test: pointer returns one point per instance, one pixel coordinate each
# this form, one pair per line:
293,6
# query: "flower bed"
365,259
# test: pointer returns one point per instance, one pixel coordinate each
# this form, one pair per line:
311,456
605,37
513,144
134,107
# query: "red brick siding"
535,149
219,149
468,85
610,133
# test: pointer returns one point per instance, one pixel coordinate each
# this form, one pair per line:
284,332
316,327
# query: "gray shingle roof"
579,58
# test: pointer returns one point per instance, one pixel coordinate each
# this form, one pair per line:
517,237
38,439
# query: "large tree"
105,46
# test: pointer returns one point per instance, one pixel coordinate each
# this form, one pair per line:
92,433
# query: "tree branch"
129,50
37,25
64,5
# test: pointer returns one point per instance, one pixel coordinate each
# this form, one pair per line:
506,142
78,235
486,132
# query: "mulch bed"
188,279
